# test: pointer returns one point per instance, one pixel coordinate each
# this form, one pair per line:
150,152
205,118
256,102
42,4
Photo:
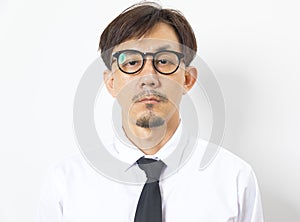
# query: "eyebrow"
164,47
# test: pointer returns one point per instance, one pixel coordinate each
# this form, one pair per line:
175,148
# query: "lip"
149,96
149,100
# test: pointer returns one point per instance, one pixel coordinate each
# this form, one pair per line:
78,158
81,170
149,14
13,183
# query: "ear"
109,82
191,74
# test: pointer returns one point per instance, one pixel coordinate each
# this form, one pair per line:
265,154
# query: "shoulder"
222,168
217,158
69,165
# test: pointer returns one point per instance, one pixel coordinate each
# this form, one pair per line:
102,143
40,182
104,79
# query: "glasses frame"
144,56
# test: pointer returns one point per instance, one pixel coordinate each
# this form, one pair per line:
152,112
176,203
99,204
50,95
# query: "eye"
132,63
130,59
166,59
163,61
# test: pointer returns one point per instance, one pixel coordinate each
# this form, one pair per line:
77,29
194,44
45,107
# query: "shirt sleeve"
250,207
50,206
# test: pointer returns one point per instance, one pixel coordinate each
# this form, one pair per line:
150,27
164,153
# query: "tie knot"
151,167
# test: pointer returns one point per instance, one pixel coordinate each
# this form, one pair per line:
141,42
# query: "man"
147,51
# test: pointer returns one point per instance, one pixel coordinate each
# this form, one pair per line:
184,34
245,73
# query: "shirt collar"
129,153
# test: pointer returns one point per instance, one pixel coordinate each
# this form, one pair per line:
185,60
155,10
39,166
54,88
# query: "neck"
151,140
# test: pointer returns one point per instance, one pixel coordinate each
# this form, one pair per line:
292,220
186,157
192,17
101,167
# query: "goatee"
150,121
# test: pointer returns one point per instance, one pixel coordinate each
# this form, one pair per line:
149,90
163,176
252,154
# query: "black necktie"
149,205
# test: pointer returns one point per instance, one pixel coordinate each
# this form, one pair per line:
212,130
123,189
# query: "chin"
149,124
149,119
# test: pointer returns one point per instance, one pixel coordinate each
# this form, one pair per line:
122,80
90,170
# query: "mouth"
149,100
149,97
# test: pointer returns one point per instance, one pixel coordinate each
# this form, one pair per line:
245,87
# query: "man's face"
149,98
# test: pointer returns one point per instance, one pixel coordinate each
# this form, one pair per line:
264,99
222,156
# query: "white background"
251,46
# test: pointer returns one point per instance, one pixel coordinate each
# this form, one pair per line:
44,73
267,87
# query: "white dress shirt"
225,191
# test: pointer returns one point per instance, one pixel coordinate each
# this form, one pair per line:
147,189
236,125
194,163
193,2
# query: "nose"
149,78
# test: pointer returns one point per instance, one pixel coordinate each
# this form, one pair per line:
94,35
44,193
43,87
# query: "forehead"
161,36
148,45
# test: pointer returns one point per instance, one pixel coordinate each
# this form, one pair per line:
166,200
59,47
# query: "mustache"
162,97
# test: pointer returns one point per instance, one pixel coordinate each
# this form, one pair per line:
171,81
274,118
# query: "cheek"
173,85
175,89
125,90
123,83
119,82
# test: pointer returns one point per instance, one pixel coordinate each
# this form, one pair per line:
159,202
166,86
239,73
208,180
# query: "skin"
146,86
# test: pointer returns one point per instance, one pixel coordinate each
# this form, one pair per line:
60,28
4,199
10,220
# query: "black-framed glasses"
132,61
